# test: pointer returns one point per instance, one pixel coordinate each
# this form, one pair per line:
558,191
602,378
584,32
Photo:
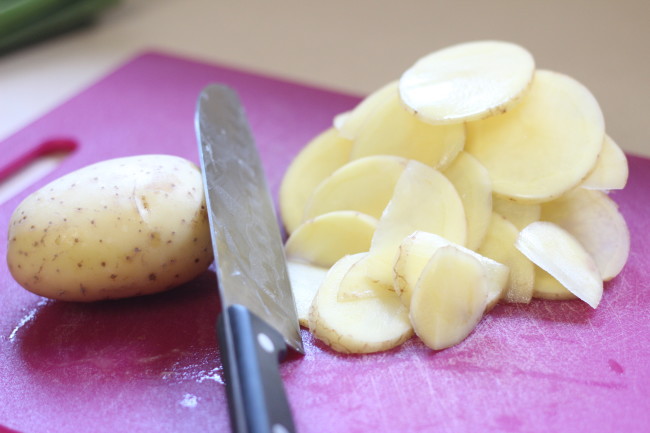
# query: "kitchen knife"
258,322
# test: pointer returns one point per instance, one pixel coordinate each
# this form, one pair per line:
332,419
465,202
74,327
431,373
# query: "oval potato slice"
320,158
499,245
351,122
366,325
449,298
611,171
305,280
322,241
417,249
468,81
544,146
392,130
364,185
557,252
520,214
472,181
423,199
547,287
594,220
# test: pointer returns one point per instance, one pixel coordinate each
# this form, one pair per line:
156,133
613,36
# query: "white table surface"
350,45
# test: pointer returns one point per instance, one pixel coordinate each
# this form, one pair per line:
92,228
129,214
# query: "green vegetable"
26,21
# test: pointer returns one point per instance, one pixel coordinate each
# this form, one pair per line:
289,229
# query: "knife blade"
258,321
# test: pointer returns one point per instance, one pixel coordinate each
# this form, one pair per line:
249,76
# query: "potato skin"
118,228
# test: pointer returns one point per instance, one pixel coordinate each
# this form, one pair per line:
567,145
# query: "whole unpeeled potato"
118,228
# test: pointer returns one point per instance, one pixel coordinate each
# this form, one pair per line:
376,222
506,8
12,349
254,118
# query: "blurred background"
349,46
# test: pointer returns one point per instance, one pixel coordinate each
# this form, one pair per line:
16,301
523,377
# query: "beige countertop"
353,46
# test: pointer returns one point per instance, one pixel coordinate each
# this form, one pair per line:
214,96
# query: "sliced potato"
472,181
611,169
323,240
305,280
417,249
547,287
423,199
557,252
467,81
594,220
339,120
366,325
351,122
499,245
392,130
449,298
324,154
520,214
364,185
544,146
357,284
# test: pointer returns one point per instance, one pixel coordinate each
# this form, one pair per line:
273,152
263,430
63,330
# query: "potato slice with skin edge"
546,145
499,245
320,158
472,181
364,185
367,325
468,81
351,122
520,214
449,299
557,252
611,171
305,280
594,220
392,130
424,199
322,241
417,249
351,289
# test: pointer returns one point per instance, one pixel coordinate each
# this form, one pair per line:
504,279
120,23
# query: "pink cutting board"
152,365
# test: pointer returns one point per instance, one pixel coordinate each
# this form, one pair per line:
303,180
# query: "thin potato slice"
423,199
323,240
611,171
449,299
499,245
305,280
357,284
351,122
544,146
468,81
366,325
520,214
547,287
417,249
320,158
392,130
364,185
594,220
557,252
472,181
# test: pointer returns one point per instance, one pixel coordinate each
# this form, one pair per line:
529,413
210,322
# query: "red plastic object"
151,364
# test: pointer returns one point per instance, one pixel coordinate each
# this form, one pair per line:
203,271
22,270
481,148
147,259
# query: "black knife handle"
251,352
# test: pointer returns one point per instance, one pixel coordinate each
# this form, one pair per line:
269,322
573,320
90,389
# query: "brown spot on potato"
113,276
152,277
